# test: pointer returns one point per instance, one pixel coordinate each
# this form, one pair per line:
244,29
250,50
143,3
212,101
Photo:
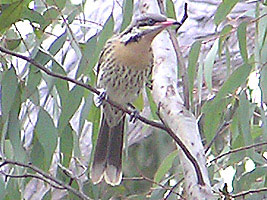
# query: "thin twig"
33,176
223,127
181,62
46,176
133,179
244,193
172,189
237,150
179,55
156,183
23,41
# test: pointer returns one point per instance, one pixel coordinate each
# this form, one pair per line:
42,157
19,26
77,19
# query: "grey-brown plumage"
124,65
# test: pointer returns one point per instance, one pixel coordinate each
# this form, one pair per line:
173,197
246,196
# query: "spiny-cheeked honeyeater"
124,65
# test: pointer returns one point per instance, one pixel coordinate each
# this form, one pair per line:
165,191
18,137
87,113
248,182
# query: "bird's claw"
98,99
133,116
149,84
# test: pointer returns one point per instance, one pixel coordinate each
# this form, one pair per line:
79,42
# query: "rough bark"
174,114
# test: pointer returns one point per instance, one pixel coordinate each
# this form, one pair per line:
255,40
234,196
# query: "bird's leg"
134,114
98,99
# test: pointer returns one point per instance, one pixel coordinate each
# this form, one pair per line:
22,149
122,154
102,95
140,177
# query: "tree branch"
46,176
237,150
185,150
86,86
32,176
244,193
156,183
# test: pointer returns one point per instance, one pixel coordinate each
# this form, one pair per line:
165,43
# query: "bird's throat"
135,54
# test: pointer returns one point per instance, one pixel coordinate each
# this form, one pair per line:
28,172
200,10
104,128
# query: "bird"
124,66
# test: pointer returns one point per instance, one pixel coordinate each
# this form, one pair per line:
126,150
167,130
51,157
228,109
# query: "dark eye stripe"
151,22
148,22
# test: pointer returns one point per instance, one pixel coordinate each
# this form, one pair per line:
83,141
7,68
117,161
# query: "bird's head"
146,26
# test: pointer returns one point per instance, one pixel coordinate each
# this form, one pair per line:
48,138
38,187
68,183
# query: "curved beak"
168,22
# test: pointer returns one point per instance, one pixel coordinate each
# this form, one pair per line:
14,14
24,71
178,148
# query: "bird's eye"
151,22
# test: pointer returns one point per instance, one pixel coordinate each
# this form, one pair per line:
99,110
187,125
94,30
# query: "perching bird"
124,66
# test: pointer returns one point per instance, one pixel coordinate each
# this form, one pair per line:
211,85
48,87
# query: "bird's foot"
98,99
134,115
149,84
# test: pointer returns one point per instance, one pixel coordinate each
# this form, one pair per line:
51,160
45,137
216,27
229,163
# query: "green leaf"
242,40
66,145
164,167
213,109
47,136
264,124
237,156
247,180
74,185
228,61
263,51
213,112
263,83
8,150
76,145
8,1
37,154
238,77
33,16
256,131
127,13
11,14
13,129
49,15
262,29
42,58
35,74
88,50
59,4
51,81
170,9
245,113
9,87
12,44
152,104
94,117
3,191
73,14
208,64
223,35
192,64
58,44
106,33
85,109
61,175
88,189
69,105
139,102
157,194
47,195
223,10
13,190
237,137
31,91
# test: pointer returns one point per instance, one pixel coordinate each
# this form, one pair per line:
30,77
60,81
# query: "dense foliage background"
49,125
